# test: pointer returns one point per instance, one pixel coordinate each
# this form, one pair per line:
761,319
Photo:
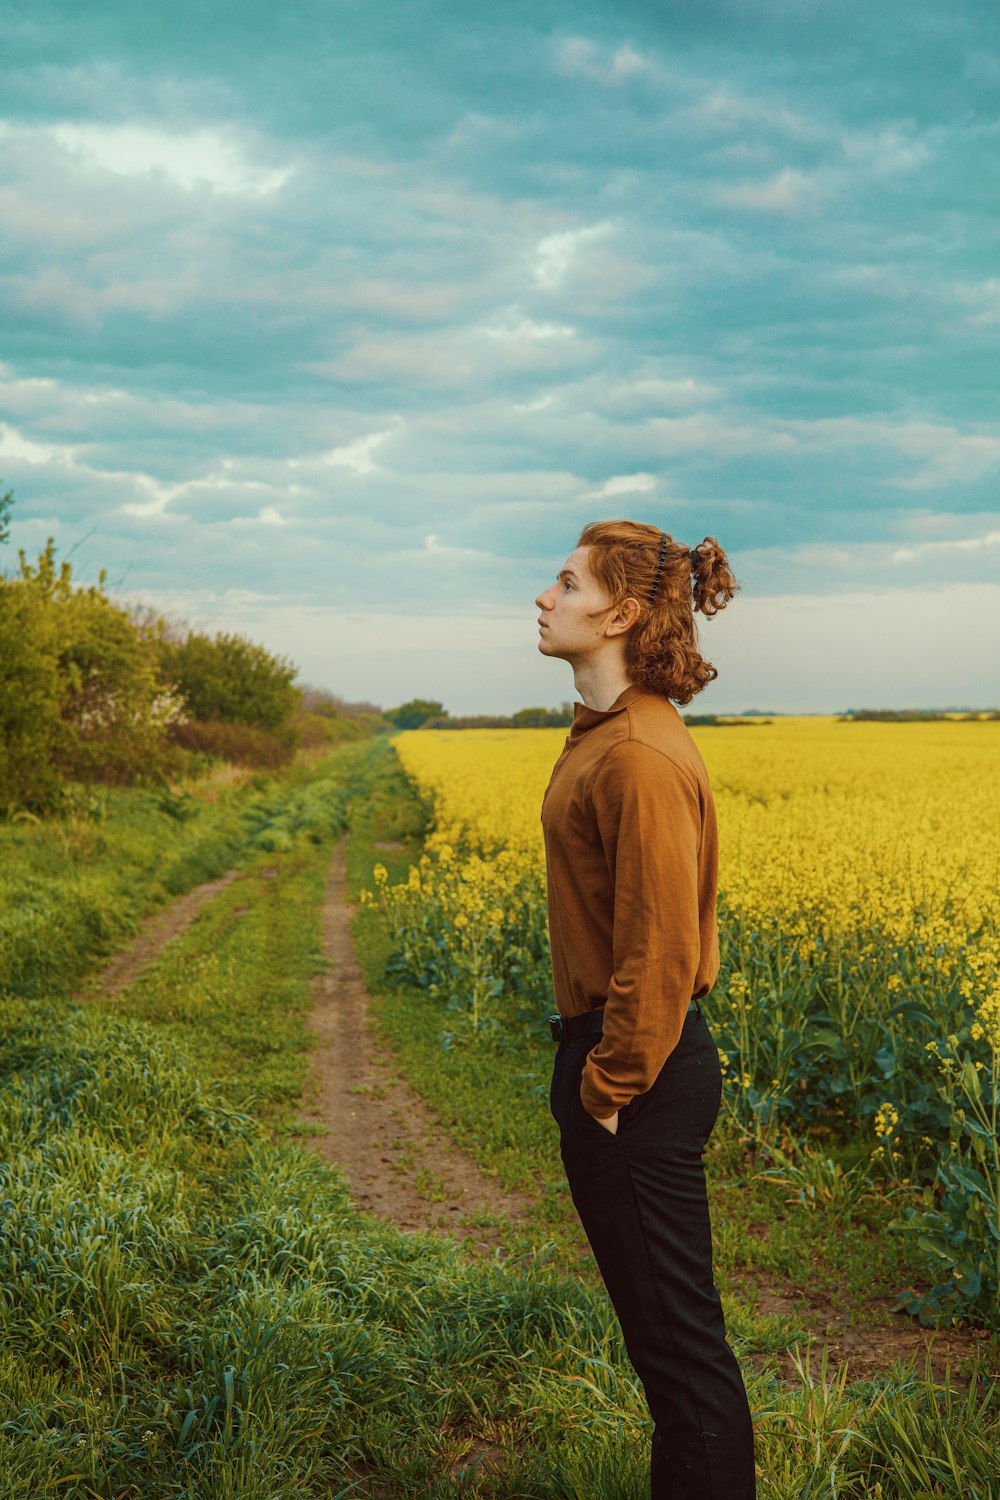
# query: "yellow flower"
843,849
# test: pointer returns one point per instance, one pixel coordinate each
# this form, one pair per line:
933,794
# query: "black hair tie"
656,580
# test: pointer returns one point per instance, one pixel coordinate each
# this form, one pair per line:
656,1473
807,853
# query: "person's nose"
544,600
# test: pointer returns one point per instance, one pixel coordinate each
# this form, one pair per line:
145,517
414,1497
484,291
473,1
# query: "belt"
567,1028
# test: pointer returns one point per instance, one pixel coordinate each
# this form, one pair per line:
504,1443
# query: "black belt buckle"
556,1027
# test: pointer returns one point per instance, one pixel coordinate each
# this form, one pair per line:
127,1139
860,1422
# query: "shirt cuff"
590,1112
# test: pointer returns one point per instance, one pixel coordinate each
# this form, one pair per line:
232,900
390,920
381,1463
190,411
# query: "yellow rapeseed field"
859,922
819,820
826,828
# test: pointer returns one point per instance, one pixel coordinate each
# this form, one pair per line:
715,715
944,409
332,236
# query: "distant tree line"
723,721
91,691
911,715
427,713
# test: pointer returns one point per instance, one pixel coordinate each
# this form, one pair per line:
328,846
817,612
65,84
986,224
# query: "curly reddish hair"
661,649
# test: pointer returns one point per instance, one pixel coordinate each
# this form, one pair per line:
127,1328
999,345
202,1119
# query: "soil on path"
155,932
388,1143
866,1351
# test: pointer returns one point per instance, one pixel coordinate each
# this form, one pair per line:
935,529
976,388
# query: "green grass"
244,1020
73,889
191,1306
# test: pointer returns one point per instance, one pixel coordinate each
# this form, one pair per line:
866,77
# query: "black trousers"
641,1196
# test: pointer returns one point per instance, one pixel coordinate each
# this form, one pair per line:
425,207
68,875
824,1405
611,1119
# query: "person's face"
574,618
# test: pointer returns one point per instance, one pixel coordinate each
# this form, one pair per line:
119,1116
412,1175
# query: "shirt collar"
585,718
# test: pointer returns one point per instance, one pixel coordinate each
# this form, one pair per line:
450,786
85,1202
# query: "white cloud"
434,544
889,150
655,393
538,404
462,358
517,327
160,497
474,127
717,435
984,298
820,555
162,494
787,192
948,456
954,544
938,525
864,562
886,281
624,484
357,456
581,58
16,446
945,454
723,109
270,516
556,253
20,449
420,303
212,157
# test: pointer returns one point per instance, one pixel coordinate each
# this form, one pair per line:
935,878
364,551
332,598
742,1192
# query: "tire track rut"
388,1142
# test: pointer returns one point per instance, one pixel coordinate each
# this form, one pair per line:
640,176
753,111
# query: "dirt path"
386,1140
866,1351
156,931
401,1165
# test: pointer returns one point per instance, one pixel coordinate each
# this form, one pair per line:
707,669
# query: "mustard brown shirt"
631,852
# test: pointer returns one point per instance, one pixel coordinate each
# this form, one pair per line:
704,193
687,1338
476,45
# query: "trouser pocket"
565,1103
690,1077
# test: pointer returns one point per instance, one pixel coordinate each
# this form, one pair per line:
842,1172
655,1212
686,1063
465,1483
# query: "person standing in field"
631,847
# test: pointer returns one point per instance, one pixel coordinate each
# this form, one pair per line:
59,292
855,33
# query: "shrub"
29,699
232,680
83,697
319,730
242,744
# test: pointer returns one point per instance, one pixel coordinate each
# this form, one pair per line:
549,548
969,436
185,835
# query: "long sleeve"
649,819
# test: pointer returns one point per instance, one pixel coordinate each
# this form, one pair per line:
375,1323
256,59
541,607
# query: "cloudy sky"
332,323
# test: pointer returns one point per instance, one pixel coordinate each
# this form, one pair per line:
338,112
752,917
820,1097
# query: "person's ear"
624,617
